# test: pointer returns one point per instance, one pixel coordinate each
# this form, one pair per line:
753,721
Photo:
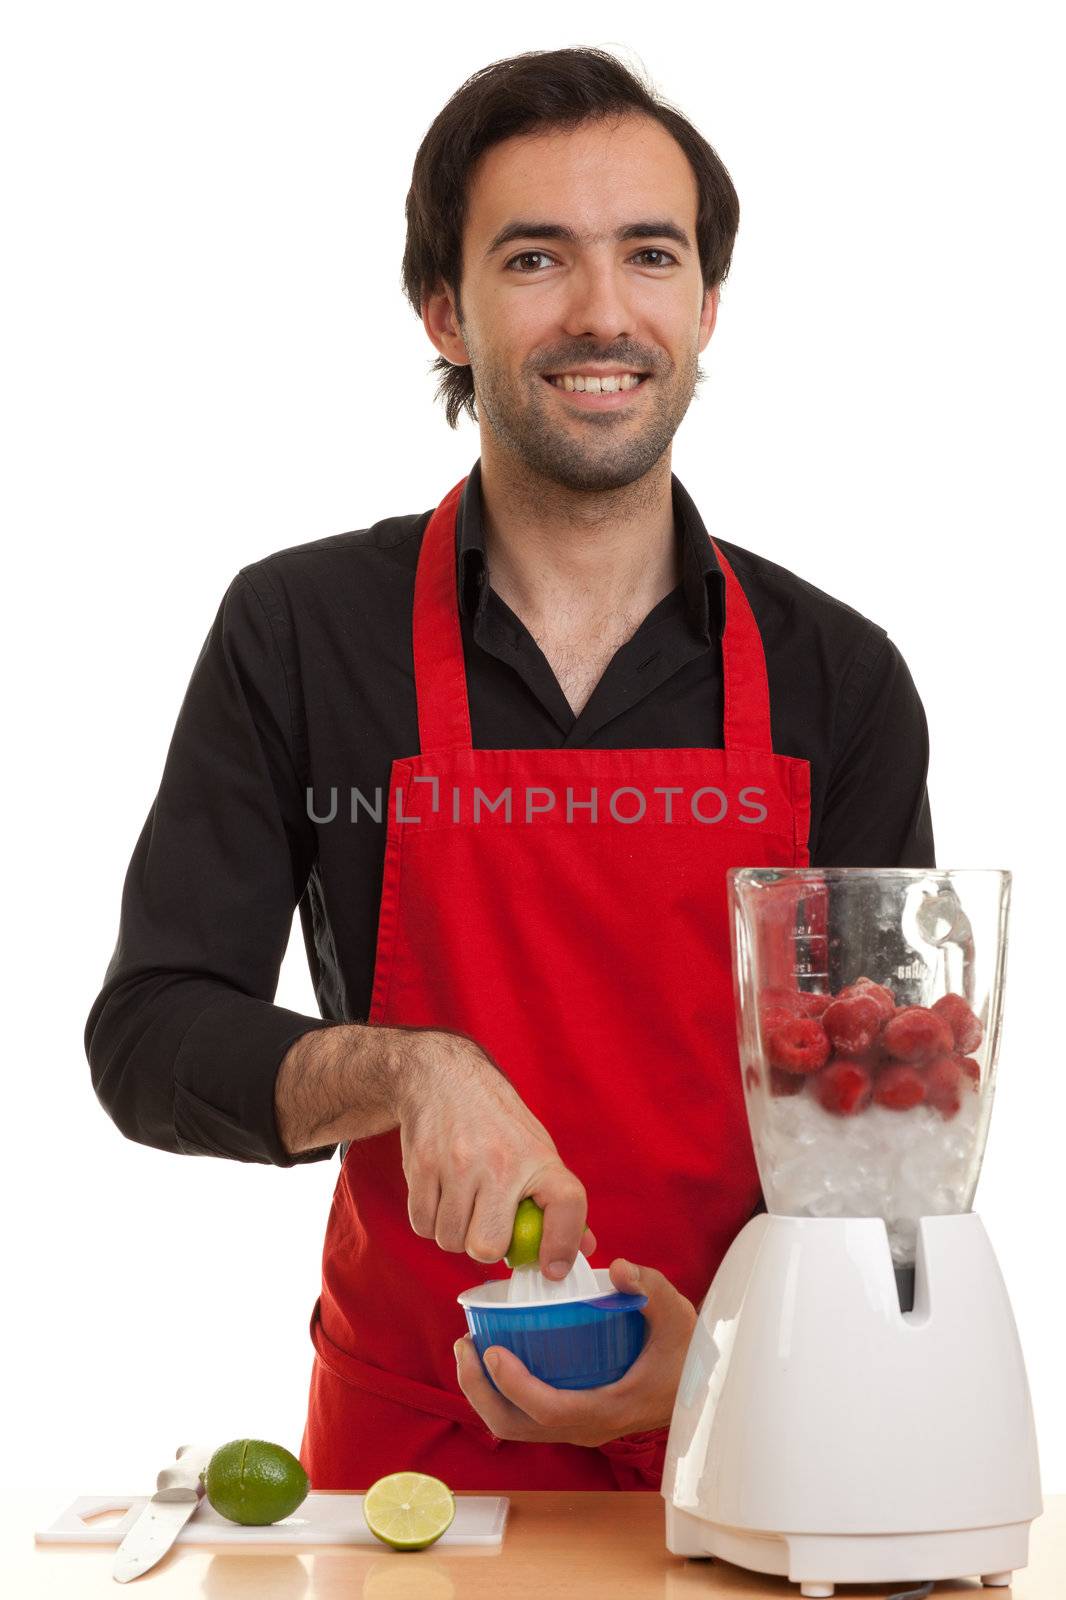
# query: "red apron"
567,910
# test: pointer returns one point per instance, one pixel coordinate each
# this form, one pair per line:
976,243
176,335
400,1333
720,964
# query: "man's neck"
563,560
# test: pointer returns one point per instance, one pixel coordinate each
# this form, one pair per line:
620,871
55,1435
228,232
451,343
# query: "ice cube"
898,1165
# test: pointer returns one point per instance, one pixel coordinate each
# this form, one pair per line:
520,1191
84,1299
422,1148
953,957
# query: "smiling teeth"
580,385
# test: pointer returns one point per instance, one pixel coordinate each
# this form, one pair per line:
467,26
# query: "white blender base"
822,1434
993,1554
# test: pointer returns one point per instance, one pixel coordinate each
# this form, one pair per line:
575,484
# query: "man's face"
537,304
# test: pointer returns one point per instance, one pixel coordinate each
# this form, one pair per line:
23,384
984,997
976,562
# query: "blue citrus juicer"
577,1333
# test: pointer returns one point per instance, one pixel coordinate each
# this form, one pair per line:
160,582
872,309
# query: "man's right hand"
472,1149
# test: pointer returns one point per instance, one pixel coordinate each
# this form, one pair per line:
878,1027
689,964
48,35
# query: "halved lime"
526,1234
408,1510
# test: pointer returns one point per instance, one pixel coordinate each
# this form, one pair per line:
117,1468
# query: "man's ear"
709,315
442,325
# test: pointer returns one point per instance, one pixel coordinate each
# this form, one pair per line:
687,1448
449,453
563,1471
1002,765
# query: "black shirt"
305,683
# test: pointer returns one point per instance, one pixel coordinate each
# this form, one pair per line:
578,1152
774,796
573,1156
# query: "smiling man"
502,754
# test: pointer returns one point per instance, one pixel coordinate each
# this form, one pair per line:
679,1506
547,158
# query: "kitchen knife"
178,1493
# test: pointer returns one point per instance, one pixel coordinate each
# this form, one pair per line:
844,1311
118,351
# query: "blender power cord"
912,1594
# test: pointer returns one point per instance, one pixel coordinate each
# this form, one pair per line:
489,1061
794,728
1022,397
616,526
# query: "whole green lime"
254,1482
526,1234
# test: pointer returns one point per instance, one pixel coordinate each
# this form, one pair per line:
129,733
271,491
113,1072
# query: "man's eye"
527,255
533,255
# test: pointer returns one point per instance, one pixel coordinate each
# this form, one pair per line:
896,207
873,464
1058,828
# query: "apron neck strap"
440,672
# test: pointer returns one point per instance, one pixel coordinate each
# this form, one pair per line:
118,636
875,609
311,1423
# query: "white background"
207,357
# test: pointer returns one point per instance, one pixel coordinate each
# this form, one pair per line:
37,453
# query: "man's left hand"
641,1400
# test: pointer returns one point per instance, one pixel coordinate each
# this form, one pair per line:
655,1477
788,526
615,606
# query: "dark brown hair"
538,90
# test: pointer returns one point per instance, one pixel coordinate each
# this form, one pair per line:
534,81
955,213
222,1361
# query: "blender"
854,1406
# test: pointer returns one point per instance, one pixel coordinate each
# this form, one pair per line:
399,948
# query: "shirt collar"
702,579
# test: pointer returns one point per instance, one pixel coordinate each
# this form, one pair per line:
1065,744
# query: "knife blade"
178,1493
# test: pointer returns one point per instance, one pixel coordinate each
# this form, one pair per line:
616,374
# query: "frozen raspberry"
967,1030
813,1005
776,1007
785,1083
899,1087
915,1033
790,999
772,1017
886,1000
799,1045
845,1088
970,1070
943,1085
853,1024
872,1059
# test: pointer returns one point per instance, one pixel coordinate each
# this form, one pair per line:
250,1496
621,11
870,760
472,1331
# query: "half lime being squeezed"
524,1248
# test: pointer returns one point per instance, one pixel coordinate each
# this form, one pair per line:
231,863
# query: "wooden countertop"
571,1546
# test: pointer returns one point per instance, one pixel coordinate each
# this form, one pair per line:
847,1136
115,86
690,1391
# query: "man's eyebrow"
522,229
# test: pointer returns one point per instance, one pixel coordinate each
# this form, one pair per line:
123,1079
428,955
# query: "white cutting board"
322,1519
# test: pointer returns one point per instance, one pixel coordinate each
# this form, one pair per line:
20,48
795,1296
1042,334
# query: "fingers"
524,1407
667,1310
506,1420
472,1219
626,1276
472,1150
489,1233
491,1224
423,1199
562,1198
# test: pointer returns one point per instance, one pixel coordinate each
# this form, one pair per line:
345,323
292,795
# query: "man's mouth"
577,383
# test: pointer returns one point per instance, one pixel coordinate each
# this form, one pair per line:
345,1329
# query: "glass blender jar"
868,1006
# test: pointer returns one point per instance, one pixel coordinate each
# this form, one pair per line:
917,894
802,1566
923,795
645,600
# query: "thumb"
631,1279
665,1303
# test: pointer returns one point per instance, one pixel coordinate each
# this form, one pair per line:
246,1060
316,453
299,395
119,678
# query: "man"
502,756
